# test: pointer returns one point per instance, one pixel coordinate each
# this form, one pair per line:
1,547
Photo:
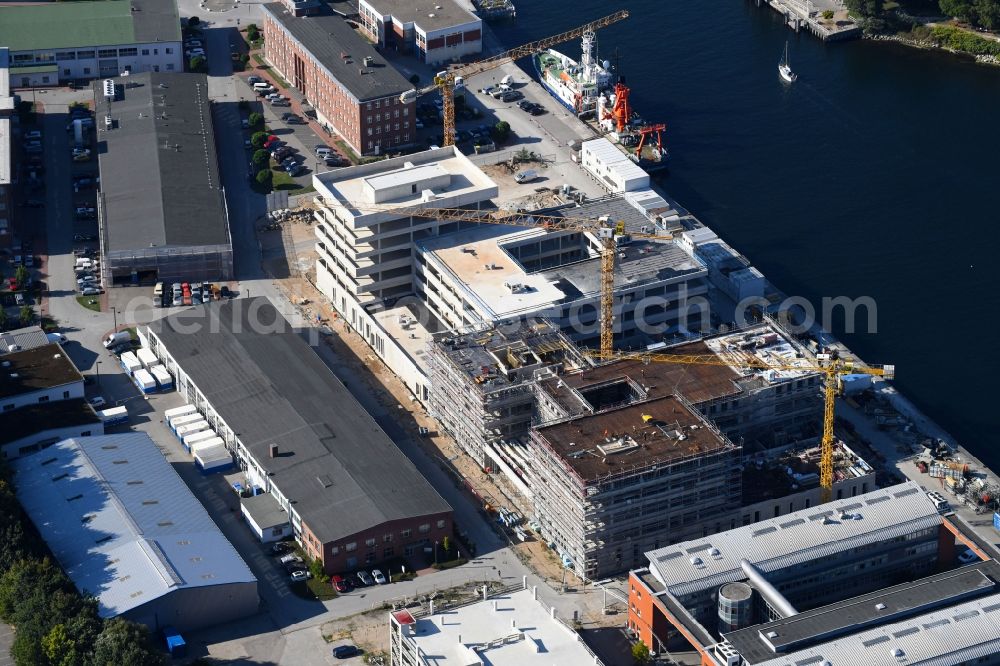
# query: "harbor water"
876,174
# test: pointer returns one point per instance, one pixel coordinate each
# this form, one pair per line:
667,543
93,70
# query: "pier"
827,19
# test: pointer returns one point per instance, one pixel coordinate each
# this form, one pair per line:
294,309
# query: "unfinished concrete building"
761,409
606,487
485,382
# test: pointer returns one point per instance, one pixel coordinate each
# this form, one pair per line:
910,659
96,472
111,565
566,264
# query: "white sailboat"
784,70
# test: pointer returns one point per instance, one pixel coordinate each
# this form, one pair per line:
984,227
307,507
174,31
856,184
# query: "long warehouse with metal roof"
127,530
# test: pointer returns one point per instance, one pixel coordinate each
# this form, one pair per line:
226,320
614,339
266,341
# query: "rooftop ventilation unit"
109,89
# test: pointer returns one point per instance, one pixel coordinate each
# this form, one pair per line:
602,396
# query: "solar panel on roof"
930,625
766,530
792,523
668,556
904,493
875,641
698,549
909,631
851,507
965,616
991,608
876,500
815,659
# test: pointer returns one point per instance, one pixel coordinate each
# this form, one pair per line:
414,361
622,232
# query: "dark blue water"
876,174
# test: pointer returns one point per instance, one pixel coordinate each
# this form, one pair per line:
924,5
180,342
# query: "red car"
270,141
12,283
341,584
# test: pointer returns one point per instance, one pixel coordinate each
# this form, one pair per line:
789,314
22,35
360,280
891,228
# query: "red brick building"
395,538
350,85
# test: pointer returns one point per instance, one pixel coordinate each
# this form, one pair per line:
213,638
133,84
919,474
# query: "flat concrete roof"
328,38
411,326
351,185
36,369
794,538
429,16
31,419
771,639
159,171
467,253
658,431
65,25
534,637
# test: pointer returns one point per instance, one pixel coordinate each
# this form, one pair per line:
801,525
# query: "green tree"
26,315
640,654
260,158
193,21
252,33
27,648
197,63
960,9
257,140
446,544
264,178
21,276
864,8
501,131
244,59
256,120
987,13
124,643
26,590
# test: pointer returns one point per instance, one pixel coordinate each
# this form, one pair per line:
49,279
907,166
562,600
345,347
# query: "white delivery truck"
130,363
147,358
177,412
117,338
191,428
162,377
113,416
190,441
206,443
184,420
144,381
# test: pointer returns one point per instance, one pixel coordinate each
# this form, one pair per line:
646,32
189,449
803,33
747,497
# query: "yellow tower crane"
607,231
445,80
831,368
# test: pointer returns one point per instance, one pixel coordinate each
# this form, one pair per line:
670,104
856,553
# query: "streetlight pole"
114,311
435,552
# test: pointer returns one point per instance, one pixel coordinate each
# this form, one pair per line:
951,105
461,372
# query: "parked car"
177,300
295,170
271,140
511,96
252,79
224,292
323,151
968,557
193,42
97,402
295,120
379,577
345,651
33,134
85,212
34,203
300,575
340,583
56,337
280,547
365,579
91,291
80,238
280,102
19,299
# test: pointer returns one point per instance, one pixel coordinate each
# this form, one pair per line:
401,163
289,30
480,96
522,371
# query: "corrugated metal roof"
121,522
22,338
783,541
932,639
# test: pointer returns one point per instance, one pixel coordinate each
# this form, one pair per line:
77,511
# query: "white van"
507,80
526,176
261,85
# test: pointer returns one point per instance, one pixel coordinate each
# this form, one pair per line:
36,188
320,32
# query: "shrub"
264,177
196,63
260,158
258,138
501,131
193,21
828,14
256,120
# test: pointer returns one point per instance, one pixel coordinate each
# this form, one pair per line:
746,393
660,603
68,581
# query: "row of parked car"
186,293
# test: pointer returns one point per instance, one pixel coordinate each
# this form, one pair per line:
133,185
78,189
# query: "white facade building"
438,32
612,168
54,42
512,628
367,263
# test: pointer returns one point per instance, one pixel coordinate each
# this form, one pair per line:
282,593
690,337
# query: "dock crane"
607,231
445,80
831,368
